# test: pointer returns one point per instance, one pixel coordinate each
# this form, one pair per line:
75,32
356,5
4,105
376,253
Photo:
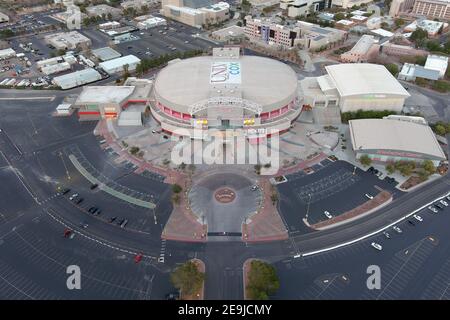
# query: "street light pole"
307,208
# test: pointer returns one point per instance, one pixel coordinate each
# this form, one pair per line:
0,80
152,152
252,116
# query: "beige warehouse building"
389,140
355,86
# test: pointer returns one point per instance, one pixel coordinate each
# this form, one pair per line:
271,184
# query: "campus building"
352,87
68,40
308,35
108,102
432,8
365,49
196,13
249,94
395,139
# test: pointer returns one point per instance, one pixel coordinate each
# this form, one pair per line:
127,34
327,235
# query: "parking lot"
332,189
414,264
163,40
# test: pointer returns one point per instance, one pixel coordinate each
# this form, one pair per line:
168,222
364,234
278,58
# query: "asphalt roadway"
33,218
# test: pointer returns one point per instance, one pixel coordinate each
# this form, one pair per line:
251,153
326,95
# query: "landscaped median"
380,200
260,280
189,279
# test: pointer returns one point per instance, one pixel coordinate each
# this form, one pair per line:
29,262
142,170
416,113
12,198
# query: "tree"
392,68
6,33
365,160
429,167
419,36
420,60
126,73
399,22
390,168
440,129
262,280
433,45
176,188
339,16
187,278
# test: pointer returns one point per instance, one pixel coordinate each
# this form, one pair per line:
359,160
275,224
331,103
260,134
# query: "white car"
444,203
397,229
369,196
377,246
254,187
418,218
327,214
73,196
433,209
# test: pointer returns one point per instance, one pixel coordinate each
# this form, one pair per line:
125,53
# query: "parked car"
93,186
418,218
124,223
327,214
387,235
376,246
432,209
397,229
112,219
370,197
439,205
444,203
73,196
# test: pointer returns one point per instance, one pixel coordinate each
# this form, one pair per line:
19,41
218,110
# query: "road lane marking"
51,98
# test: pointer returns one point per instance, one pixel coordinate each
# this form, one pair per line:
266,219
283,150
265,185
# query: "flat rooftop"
353,79
394,135
104,94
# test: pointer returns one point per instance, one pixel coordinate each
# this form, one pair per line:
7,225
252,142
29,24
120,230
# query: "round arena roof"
267,82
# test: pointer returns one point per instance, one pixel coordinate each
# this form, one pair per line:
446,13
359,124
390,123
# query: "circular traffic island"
224,200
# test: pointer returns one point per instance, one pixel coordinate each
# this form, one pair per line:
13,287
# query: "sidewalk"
266,224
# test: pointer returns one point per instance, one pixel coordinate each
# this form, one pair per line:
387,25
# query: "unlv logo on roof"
225,72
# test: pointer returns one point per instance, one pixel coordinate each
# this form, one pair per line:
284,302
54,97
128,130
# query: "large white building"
196,13
434,69
297,8
355,86
78,78
226,90
119,64
7,53
348,3
395,139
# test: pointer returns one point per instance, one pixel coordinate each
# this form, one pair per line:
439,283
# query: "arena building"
354,86
226,91
395,139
